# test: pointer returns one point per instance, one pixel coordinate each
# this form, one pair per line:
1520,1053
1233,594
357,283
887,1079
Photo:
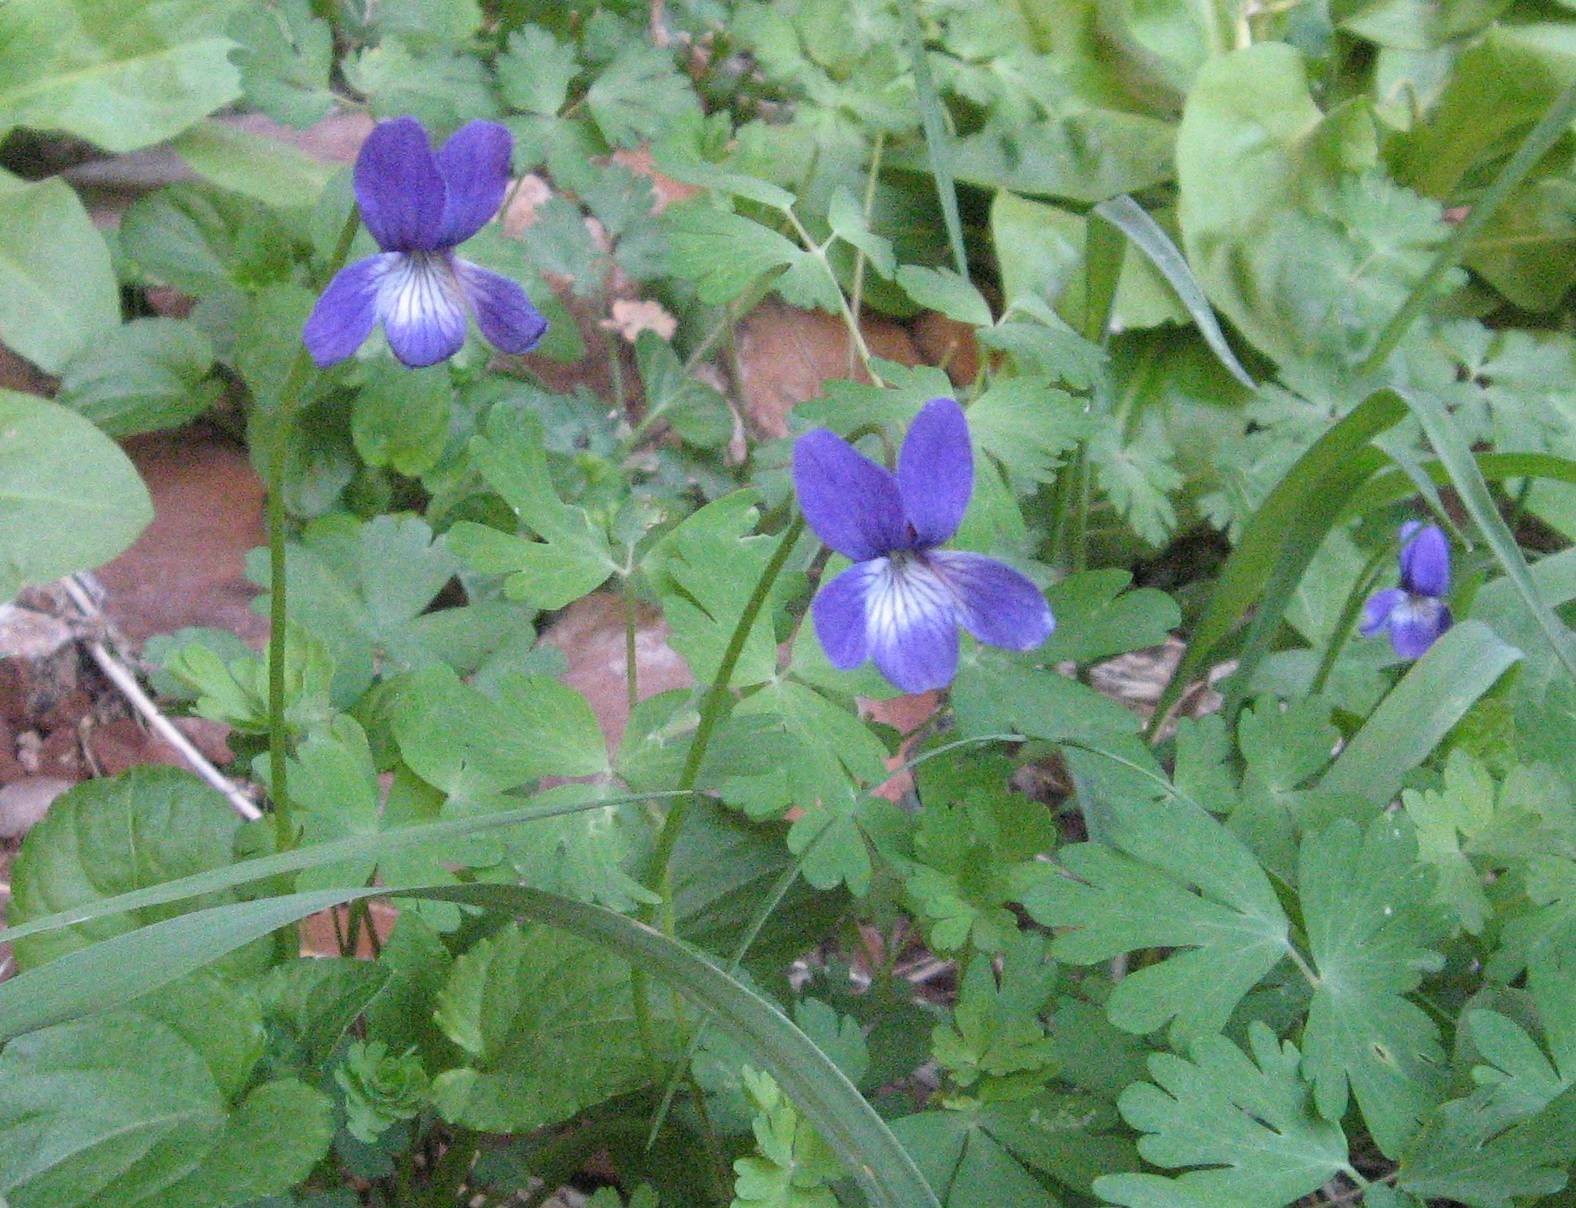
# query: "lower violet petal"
998,605
347,311
1417,624
423,310
911,626
503,312
839,613
1377,609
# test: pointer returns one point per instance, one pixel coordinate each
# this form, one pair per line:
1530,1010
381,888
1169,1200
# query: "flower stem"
1344,624
278,609
660,879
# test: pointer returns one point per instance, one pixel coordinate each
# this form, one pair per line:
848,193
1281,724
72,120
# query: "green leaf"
271,171
1433,696
367,589
1027,426
441,87
722,253
381,1089
1366,904
704,571
998,692
944,290
1280,151
848,223
1084,157
57,289
107,837
546,1022
285,55
793,1165
121,1108
639,94
995,1032
141,961
1096,617
315,1000
147,375
1171,877
1246,1124
69,498
401,416
1149,237
572,557
698,413
536,70
116,72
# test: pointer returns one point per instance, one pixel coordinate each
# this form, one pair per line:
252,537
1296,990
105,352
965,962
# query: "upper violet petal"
474,164
911,626
852,504
839,613
1425,563
399,188
935,471
503,312
997,604
422,305
1377,609
347,311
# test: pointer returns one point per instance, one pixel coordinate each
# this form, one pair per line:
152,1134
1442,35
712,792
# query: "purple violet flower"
902,600
419,207
1415,614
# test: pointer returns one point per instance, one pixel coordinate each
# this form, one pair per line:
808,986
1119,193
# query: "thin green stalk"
850,320
1347,620
1537,143
278,609
930,117
660,880
858,291
631,669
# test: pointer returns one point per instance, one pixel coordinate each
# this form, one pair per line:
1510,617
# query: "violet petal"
1425,563
398,187
423,310
997,604
839,613
852,504
474,164
1377,609
347,311
935,471
911,626
503,312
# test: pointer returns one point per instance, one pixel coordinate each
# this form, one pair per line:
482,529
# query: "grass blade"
935,127
1457,459
124,967
1419,711
1149,237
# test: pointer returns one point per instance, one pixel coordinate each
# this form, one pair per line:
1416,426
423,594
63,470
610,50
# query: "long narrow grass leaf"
1149,237
935,127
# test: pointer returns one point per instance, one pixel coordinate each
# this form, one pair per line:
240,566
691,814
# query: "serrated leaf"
638,94
848,223
284,54
1367,909
1172,877
944,290
107,837
1139,476
1027,424
573,556
696,411
1246,1124
315,1000
547,1024
1096,616
723,253
401,416
536,69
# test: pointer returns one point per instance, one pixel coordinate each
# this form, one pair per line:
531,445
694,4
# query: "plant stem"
858,291
1539,139
930,117
278,608
660,880
631,669
850,320
1348,618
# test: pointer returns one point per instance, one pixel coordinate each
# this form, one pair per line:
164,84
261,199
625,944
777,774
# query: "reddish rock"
948,343
787,355
24,803
188,567
590,632
61,755
211,738
11,768
121,744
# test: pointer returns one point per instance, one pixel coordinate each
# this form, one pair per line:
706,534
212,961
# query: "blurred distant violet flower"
419,207
903,599
1415,614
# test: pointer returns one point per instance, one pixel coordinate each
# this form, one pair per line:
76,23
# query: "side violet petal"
911,626
423,309
503,312
1425,562
1377,609
839,613
935,471
852,504
347,311
474,164
997,604
398,187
